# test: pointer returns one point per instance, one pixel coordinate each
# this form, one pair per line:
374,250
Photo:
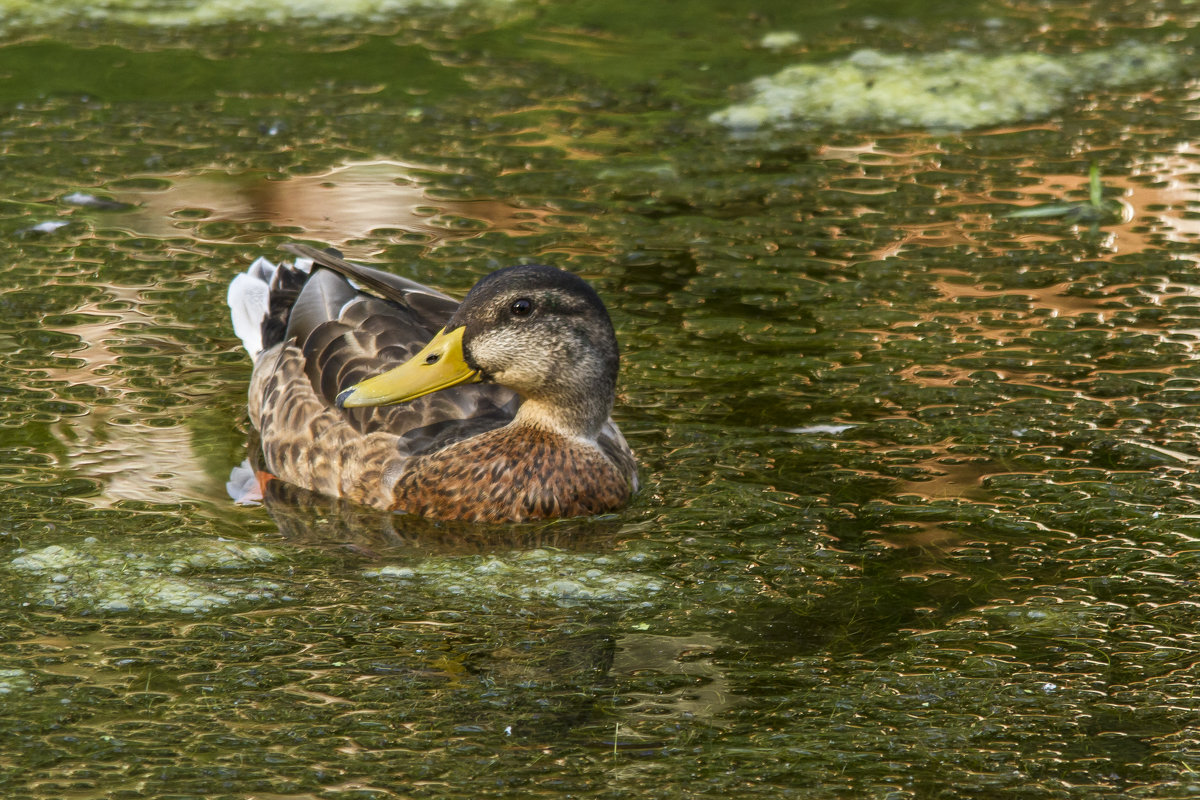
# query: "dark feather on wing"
348,336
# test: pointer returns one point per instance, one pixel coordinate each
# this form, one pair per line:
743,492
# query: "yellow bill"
439,365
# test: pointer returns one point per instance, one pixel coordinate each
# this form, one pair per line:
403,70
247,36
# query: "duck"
376,389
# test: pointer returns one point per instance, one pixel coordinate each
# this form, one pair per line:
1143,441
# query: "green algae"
779,40
544,575
98,577
951,89
167,13
13,681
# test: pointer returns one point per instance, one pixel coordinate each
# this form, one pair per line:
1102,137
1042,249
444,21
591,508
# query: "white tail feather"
249,300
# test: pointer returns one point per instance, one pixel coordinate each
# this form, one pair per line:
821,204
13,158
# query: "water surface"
920,506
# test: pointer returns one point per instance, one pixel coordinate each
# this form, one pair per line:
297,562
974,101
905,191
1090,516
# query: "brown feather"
461,453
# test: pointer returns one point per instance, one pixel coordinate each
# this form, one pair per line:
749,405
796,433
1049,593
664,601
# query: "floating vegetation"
1094,210
541,574
779,40
13,681
951,89
96,576
170,13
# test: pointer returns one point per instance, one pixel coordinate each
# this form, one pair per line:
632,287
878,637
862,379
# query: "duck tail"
261,298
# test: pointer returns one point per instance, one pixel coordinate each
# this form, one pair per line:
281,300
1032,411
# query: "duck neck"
582,419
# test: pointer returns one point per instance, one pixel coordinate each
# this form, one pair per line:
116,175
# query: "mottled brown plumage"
526,433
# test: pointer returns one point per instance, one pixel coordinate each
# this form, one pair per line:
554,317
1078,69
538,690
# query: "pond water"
921,504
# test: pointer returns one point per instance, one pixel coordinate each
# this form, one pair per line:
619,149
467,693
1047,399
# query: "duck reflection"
340,206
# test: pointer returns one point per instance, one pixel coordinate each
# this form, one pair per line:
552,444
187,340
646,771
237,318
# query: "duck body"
379,390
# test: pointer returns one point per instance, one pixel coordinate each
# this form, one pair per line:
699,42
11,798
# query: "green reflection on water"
267,66
920,505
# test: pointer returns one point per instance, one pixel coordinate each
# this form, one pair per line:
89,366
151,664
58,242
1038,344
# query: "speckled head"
536,329
531,319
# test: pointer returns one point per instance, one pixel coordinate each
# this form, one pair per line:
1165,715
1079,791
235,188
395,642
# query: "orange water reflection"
1159,196
118,445
386,200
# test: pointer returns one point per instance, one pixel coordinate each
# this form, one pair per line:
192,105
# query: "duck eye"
522,307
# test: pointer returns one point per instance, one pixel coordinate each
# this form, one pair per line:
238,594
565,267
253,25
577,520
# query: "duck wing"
382,284
352,322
